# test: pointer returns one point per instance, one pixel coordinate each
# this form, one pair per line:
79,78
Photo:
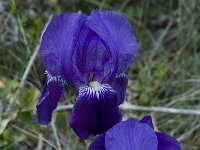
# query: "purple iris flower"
133,135
90,54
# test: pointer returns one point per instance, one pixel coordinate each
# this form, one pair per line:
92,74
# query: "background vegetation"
166,72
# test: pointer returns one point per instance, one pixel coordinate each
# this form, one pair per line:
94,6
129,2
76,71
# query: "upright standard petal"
131,135
147,120
165,142
92,56
98,143
51,94
117,33
95,110
58,44
119,84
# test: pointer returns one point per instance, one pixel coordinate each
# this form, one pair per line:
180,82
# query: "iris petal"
119,84
95,111
131,135
92,55
58,44
51,94
166,142
147,120
118,34
98,143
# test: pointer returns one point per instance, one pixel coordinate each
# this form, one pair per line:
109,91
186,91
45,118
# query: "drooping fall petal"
119,84
95,111
51,94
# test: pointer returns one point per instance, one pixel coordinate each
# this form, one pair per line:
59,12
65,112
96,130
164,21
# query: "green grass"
165,72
